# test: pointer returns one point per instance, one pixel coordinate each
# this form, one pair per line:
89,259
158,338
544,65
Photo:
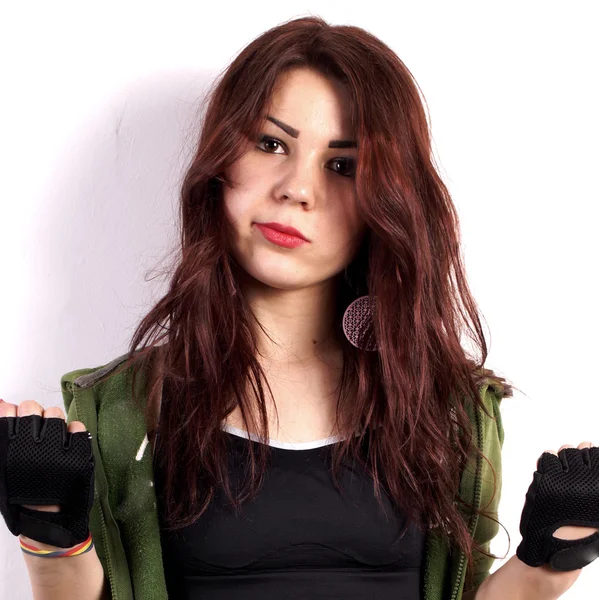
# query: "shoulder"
493,388
489,381
485,414
85,377
109,380
76,381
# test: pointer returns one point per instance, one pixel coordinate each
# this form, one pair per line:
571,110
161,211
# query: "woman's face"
296,179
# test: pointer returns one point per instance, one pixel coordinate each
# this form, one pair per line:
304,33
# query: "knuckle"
31,404
76,426
54,411
8,410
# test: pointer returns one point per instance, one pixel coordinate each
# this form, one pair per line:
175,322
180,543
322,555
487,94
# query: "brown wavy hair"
410,260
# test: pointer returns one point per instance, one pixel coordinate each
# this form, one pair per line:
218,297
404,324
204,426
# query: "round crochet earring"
357,320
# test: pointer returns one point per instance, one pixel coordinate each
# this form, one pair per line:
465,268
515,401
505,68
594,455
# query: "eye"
267,139
347,164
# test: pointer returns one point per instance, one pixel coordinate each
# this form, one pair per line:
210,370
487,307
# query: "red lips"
286,229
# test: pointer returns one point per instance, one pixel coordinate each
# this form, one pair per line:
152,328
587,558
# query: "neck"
295,329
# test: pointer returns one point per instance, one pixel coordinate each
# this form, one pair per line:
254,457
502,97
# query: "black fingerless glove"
565,491
42,463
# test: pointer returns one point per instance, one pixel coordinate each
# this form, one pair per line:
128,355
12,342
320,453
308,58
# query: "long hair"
408,397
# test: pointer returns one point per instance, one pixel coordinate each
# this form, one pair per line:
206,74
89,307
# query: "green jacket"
124,520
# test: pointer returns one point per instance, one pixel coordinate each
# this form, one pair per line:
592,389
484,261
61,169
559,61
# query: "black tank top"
299,538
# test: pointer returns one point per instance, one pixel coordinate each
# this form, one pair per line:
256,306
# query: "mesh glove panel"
42,463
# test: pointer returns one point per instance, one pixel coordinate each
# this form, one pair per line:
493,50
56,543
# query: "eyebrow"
295,134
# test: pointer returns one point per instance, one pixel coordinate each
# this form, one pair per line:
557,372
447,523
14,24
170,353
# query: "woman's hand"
557,582
570,532
27,408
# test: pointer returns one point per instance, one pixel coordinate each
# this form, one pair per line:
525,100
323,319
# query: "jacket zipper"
477,494
102,521
108,558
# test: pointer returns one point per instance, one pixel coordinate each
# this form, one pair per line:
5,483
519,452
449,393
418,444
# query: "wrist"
545,582
518,581
39,554
47,568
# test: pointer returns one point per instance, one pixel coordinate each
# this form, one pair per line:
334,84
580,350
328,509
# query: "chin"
271,279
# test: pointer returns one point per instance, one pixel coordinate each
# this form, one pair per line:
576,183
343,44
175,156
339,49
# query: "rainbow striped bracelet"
82,548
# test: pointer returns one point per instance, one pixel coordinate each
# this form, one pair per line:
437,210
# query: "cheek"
235,208
241,200
345,226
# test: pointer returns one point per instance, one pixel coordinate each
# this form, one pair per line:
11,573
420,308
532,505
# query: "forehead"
305,97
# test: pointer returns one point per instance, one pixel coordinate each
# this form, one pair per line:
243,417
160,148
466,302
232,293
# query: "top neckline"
285,445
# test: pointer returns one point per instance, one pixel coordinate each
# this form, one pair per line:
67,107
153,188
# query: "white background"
98,111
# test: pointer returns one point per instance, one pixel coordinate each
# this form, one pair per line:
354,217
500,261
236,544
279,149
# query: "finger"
7,409
585,445
580,446
76,426
546,464
560,449
565,446
54,412
29,407
26,408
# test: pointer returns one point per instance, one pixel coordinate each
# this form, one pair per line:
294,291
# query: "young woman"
317,429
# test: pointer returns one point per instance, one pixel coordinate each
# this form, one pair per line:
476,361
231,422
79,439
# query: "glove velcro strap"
46,527
569,555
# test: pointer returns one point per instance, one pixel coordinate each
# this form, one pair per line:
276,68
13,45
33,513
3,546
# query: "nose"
301,183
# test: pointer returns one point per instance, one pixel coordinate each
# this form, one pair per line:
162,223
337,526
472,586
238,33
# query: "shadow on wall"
111,216
108,216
